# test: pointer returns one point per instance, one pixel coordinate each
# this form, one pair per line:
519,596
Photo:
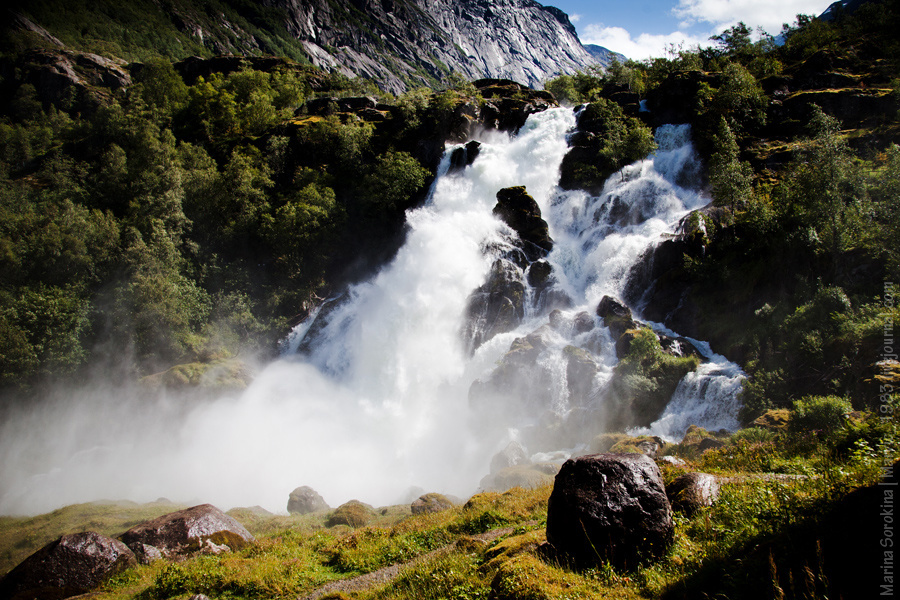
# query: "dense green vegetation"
140,30
793,272
177,223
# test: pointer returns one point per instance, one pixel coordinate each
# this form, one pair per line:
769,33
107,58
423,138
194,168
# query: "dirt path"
389,573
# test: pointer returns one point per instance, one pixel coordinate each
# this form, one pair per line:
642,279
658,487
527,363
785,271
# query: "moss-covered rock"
773,420
353,513
228,374
431,503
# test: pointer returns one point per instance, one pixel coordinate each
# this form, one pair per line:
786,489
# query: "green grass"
296,555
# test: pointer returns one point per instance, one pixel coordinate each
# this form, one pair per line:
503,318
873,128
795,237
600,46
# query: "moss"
353,514
501,552
774,420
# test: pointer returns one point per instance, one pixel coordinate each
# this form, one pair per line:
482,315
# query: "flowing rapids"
371,398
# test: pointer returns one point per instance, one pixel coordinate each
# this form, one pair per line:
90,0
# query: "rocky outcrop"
396,43
516,378
72,565
464,156
609,508
690,492
616,316
199,528
519,210
77,81
497,306
305,500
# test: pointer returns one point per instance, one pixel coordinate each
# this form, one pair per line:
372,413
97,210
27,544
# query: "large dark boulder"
305,500
609,507
519,210
72,565
202,527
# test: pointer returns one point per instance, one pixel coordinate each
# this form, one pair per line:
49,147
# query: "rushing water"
371,399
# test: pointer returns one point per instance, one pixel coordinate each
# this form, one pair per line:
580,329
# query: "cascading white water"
379,400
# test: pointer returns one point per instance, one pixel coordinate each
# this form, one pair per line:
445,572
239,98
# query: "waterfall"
377,392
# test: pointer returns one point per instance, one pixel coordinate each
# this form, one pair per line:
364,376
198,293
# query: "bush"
819,413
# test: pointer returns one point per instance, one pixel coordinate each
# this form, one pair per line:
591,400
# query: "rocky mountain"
604,56
399,44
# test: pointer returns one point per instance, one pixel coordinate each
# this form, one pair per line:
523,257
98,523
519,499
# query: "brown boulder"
72,565
202,527
609,508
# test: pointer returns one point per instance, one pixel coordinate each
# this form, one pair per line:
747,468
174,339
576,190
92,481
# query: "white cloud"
768,14
643,46
574,18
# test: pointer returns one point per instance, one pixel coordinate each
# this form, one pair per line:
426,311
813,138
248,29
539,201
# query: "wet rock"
72,565
305,500
431,503
678,346
464,156
580,372
690,492
583,323
496,307
519,210
609,507
616,316
517,377
353,513
202,527
539,274
514,454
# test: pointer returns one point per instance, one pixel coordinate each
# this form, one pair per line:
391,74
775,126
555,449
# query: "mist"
376,405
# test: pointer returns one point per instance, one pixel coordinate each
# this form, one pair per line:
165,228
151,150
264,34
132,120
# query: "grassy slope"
778,487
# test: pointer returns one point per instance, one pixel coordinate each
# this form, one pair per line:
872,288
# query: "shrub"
819,413
752,435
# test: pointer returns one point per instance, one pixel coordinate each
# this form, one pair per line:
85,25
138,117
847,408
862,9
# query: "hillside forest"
198,212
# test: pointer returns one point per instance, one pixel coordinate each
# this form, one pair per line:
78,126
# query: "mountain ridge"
398,44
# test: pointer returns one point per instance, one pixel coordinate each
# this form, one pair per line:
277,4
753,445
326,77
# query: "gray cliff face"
400,43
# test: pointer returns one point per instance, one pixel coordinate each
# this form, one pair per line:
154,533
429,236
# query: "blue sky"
643,28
